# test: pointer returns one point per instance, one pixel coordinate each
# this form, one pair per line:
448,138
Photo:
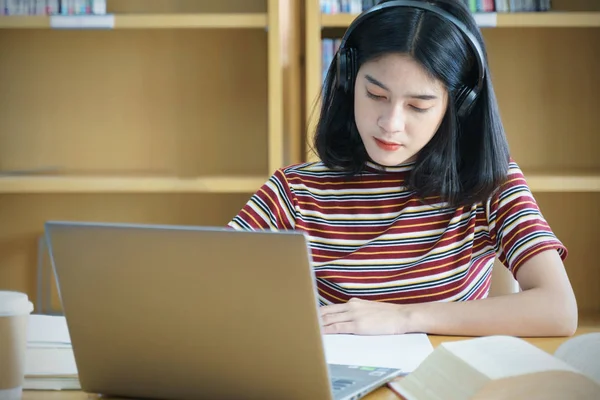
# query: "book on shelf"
329,48
506,367
476,6
52,7
346,6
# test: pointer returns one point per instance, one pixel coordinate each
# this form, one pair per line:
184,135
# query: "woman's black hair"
467,159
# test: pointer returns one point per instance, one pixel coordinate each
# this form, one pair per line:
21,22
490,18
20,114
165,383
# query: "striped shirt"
372,238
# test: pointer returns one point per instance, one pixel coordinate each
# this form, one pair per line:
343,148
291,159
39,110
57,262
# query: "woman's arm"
546,306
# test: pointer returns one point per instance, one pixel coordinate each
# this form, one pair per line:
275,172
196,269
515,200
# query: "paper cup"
15,308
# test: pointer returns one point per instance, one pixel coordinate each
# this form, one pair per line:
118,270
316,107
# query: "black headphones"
346,57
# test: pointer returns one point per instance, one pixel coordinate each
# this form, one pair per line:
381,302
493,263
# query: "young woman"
416,195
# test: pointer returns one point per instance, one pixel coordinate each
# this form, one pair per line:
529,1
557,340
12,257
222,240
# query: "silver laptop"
177,312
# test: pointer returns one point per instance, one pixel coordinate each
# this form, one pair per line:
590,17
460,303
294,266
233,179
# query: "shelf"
192,21
563,182
538,182
152,21
95,184
24,22
500,20
550,20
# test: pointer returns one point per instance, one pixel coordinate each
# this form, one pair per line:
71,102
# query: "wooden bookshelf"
175,115
156,21
590,19
538,181
549,105
136,184
566,182
24,22
239,21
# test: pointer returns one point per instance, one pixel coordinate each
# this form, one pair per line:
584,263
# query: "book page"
583,353
553,385
505,356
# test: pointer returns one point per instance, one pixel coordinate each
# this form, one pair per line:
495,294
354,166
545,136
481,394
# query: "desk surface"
547,344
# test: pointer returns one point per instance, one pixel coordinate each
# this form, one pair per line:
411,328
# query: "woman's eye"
417,109
374,96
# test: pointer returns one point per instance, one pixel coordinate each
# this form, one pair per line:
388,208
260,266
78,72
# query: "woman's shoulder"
514,170
308,167
308,171
515,180
514,193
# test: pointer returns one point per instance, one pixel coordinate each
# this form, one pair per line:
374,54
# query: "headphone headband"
346,57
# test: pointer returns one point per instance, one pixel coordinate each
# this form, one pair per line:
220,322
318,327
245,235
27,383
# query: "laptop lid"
189,312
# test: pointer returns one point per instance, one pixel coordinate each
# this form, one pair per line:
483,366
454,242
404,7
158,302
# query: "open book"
506,367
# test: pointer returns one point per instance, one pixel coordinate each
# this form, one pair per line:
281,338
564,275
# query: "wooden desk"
547,344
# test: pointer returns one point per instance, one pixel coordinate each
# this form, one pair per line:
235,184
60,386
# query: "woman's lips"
387,146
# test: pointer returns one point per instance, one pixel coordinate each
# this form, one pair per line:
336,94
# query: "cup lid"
14,303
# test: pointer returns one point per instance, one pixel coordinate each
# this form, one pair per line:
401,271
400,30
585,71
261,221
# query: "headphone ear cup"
351,70
346,65
464,101
342,66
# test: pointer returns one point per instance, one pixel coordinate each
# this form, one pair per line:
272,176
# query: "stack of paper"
49,360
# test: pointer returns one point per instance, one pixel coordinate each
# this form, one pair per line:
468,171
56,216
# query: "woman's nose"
393,119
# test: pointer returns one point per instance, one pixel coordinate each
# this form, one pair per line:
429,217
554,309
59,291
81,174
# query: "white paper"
50,361
486,19
82,21
404,352
48,330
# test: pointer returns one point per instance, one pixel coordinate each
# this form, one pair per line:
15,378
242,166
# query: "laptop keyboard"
341,384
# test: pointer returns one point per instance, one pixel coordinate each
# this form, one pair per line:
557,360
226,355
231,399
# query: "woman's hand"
364,317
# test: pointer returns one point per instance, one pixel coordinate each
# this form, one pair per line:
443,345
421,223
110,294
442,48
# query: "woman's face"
398,108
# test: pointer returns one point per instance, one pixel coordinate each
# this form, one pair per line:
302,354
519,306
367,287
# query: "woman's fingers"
333,309
336,318
339,328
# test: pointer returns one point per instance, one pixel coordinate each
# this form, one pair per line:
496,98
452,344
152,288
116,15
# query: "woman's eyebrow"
422,96
376,82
